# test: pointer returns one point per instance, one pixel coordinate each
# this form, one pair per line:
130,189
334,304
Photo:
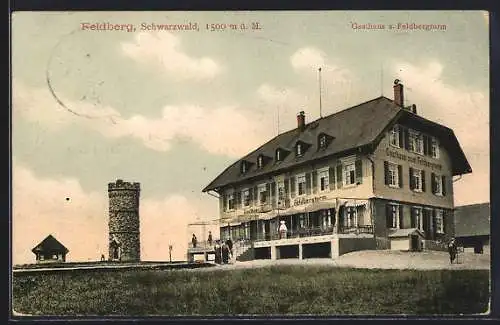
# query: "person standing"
194,241
452,250
282,229
209,238
229,244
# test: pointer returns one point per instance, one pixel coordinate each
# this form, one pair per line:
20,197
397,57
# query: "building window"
243,167
263,194
394,136
416,179
323,180
350,174
278,155
322,141
416,218
439,221
260,160
230,201
299,149
281,192
350,221
437,184
393,216
301,184
393,175
434,148
416,142
246,197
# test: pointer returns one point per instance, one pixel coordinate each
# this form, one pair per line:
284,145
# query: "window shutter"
292,186
273,193
224,202
426,145
255,195
386,172
388,216
433,183
412,183
250,195
315,181
401,225
429,145
444,222
358,165
407,139
308,183
423,181
339,176
287,187
401,137
443,185
237,198
434,230
412,218
331,176
400,175
268,192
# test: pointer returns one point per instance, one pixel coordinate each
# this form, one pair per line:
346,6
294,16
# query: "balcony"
317,231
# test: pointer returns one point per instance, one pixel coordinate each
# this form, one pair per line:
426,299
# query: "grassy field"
270,290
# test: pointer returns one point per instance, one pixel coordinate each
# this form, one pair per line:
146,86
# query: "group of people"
223,251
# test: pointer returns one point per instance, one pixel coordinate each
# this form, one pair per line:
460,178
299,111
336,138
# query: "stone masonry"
124,222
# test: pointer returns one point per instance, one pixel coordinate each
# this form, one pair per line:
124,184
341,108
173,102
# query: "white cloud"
308,58
464,110
40,208
164,48
216,130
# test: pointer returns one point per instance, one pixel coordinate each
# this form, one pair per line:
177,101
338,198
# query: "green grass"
272,290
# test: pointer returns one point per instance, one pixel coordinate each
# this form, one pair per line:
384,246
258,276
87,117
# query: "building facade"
124,224
373,176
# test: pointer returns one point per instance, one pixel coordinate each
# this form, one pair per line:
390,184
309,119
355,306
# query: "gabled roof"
50,244
356,128
472,220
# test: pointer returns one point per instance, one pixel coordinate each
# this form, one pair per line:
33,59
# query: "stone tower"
124,235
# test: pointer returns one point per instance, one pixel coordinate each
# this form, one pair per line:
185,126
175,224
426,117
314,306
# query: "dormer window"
278,155
322,141
244,167
260,161
299,149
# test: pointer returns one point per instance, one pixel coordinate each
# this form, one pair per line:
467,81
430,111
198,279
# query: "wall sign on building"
416,160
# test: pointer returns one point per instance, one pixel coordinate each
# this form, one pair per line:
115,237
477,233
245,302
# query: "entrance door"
414,243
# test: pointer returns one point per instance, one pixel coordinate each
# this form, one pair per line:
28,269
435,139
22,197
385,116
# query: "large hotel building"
373,176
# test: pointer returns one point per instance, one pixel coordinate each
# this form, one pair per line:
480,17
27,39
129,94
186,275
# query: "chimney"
301,120
414,108
398,93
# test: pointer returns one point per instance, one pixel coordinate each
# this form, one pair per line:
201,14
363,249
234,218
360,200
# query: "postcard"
255,163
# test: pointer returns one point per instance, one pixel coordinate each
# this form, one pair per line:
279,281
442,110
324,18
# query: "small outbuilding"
50,250
409,239
472,227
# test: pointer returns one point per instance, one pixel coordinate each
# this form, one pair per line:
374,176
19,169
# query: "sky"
171,109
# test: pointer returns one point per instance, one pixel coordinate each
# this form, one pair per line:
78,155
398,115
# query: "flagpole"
319,77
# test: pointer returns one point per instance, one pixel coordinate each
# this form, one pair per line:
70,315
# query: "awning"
353,203
320,206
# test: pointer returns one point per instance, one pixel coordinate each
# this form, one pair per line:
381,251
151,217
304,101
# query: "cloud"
40,208
164,48
464,110
222,130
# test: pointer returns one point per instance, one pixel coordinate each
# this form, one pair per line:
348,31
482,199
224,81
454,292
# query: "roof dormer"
262,160
324,140
280,154
300,148
245,166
